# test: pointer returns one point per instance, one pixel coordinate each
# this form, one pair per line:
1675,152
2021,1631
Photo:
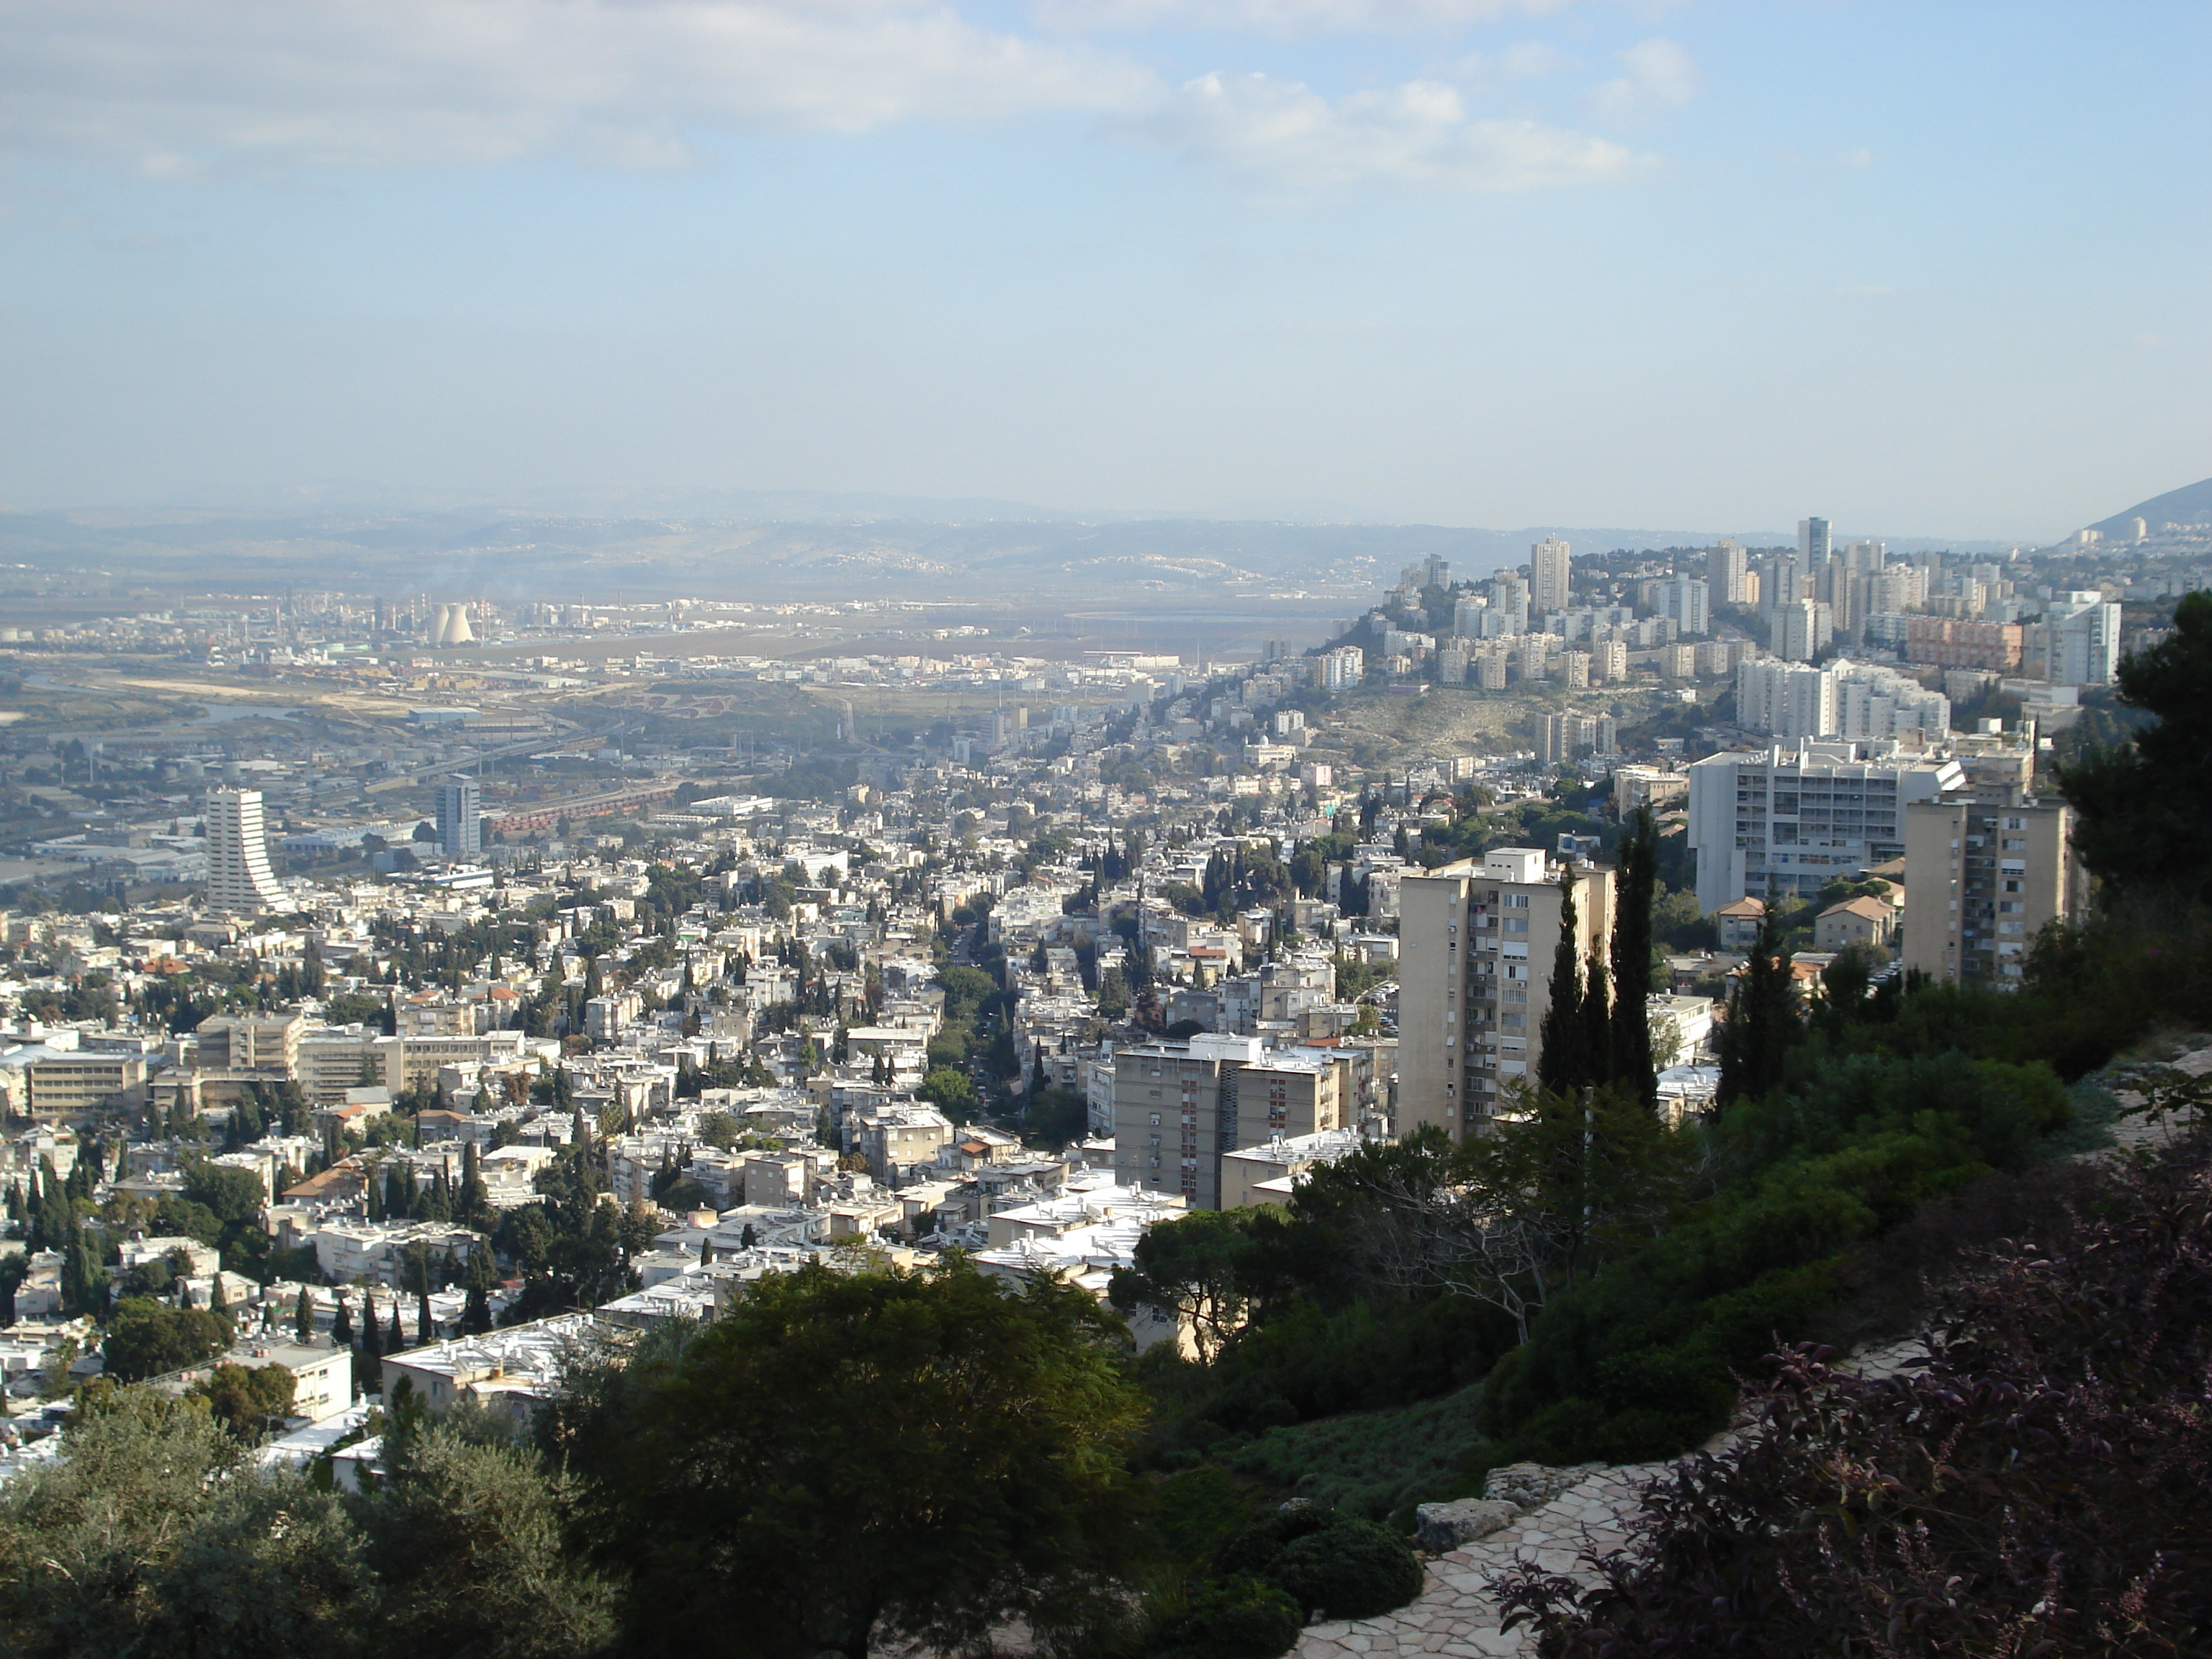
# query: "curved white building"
239,876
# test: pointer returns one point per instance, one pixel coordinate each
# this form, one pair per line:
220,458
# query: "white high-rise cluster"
1842,699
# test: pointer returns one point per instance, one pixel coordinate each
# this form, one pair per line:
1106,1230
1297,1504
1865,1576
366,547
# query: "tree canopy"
2142,806
842,1456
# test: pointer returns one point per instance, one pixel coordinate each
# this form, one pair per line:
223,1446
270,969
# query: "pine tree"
1563,1063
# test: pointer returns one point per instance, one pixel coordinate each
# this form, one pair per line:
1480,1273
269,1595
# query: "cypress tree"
1563,1062
1630,1060
1762,1021
399,1339
342,1324
1597,1021
303,1317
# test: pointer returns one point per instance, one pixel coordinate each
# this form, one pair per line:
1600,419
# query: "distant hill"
2191,504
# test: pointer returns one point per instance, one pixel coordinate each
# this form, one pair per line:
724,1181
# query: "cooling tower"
449,625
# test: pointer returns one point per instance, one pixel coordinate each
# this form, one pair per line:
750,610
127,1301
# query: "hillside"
2191,504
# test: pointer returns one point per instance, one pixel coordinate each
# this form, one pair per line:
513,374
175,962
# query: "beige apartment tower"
1982,874
1476,941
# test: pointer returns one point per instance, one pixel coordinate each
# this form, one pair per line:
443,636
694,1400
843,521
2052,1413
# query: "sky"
1923,270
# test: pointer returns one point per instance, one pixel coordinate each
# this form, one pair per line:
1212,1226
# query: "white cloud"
161,84
1660,76
1284,134
1286,16
177,90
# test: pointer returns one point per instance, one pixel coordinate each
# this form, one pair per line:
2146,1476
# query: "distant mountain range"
2191,504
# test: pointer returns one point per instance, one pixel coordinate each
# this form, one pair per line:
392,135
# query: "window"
1155,1120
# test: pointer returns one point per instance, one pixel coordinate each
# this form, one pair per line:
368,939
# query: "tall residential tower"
460,817
1551,577
1477,941
238,873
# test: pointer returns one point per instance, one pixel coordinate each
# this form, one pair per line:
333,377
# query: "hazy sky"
1926,268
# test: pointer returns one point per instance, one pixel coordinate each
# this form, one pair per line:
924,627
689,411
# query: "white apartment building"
1341,669
1793,819
1551,576
1685,601
1727,568
1802,629
239,876
2081,640
1843,699
1476,944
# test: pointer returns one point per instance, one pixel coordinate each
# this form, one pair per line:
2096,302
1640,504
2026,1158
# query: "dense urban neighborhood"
437,1031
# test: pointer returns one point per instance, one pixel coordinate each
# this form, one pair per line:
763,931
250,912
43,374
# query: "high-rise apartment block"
1179,1107
1791,820
1983,871
1813,543
460,818
1551,577
1566,736
1477,941
239,876
1802,629
2080,638
1685,601
1341,669
1509,605
1726,568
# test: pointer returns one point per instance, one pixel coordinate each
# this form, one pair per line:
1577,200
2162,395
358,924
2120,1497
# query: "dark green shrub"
1348,1570
1238,1619
1254,1550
